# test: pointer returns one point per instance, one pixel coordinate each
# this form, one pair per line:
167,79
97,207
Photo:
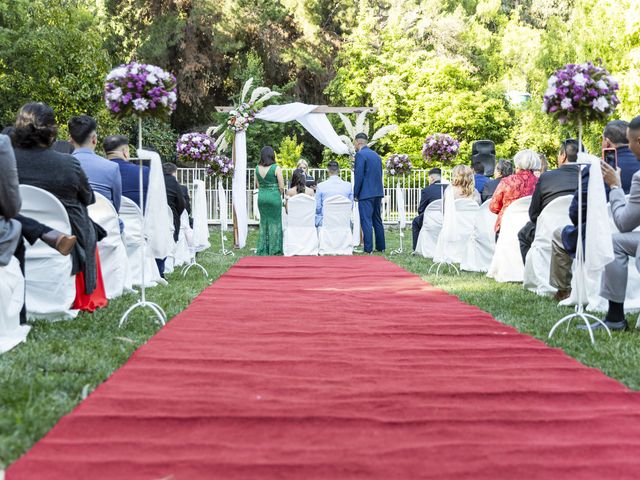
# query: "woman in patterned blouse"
520,184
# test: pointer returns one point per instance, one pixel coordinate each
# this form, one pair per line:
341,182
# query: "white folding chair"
301,237
133,239
11,301
457,250
335,235
507,265
113,253
538,263
482,244
51,289
431,226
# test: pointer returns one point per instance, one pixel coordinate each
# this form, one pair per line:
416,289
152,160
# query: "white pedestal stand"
223,251
143,303
579,272
400,204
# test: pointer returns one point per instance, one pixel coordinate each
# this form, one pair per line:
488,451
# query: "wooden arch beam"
320,109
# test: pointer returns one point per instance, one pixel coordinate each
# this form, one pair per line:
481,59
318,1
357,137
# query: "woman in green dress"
270,185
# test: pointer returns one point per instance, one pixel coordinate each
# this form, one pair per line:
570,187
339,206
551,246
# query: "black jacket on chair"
489,189
551,185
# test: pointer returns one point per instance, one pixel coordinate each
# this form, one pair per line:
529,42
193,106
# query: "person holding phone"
617,154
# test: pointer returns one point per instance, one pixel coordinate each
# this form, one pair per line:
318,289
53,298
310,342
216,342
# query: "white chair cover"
507,265
156,221
172,245
11,301
113,253
537,266
133,238
335,235
300,237
357,229
182,253
51,289
482,245
199,213
454,246
431,226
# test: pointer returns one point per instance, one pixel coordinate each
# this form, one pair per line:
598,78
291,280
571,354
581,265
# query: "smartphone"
610,156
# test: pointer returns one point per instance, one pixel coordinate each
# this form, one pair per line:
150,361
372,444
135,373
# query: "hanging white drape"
402,215
222,206
449,232
599,247
199,213
157,225
317,124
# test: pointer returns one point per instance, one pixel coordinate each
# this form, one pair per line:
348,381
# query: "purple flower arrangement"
398,164
440,147
220,166
141,90
580,92
196,147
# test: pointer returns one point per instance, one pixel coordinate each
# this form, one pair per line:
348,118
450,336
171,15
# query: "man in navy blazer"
368,191
117,149
565,239
429,194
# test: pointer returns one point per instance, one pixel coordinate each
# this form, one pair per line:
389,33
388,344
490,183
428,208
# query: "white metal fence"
412,183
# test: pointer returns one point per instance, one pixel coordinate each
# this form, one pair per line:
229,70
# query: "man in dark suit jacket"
551,185
480,179
429,194
565,240
175,196
117,149
368,191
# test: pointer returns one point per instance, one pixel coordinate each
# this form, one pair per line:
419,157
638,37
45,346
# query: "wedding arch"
312,117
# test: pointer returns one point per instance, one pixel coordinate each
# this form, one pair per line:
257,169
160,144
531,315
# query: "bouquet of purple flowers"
580,92
398,165
141,90
220,166
196,147
440,147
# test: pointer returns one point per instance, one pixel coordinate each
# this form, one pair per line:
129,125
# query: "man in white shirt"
331,187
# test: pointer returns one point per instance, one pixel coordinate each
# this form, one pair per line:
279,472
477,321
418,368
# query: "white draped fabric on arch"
317,124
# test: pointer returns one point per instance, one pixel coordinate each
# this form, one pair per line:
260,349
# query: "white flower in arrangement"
601,84
432,141
600,104
116,73
135,68
172,97
392,171
140,104
551,91
552,81
115,94
566,104
579,79
152,79
207,141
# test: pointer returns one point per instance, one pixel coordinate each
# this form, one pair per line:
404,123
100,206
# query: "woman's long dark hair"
299,180
267,156
35,126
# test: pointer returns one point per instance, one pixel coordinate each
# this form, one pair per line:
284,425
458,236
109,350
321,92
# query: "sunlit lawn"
45,378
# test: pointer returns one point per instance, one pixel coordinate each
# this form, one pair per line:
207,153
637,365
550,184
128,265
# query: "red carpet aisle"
336,368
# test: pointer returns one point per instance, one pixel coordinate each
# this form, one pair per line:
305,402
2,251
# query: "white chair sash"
335,234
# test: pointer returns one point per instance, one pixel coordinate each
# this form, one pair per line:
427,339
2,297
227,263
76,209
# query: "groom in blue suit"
368,191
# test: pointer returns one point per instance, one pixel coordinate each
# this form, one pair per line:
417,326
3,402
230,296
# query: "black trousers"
416,226
32,230
525,237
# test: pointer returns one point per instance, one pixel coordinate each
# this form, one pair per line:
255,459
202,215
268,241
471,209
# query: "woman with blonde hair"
463,183
520,184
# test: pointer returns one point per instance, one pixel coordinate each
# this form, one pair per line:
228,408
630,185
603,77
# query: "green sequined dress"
270,207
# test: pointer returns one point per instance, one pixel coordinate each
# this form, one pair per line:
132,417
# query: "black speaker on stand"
484,152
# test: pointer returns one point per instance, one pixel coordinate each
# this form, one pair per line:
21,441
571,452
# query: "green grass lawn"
45,378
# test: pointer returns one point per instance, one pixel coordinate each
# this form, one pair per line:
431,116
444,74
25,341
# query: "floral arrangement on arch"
141,90
196,147
440,147
398,164
244,114
580,92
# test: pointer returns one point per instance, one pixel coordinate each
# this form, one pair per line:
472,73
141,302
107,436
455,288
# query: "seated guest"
429,194
61,175
175,200
62,146
503,169
520,184
116,148
333,186
103,175
626,215
462,182
565,239
544,165
14,228
309,180
479,178
551,185
298,186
